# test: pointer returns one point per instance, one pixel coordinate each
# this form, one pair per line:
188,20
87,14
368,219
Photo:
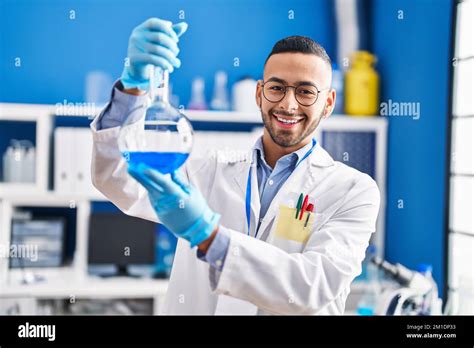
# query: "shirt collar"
292,158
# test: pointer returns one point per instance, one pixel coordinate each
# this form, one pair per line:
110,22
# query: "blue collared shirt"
269,179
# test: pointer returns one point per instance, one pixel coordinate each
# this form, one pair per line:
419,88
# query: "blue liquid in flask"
164,162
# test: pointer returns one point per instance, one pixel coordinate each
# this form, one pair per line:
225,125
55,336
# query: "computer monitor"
121,240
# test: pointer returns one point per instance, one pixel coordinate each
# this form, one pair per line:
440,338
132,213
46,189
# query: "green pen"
298,206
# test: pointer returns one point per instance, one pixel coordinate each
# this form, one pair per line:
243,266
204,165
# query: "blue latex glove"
180,207
155,42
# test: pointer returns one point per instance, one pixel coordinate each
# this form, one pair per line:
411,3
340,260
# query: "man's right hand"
154,42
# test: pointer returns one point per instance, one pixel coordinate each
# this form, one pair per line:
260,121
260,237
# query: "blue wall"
57,52
414,65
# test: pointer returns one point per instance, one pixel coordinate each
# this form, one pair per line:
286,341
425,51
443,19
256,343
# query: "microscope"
416,294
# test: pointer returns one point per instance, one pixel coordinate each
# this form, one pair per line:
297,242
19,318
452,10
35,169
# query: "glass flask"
163,139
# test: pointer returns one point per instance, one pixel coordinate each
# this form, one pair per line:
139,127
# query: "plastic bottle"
198,101
465,293
361,88
430,302
16,161
368,302
243,95
29,168
7,158
452,303
338,85
220,100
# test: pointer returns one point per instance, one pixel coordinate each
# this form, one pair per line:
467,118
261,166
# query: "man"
245,246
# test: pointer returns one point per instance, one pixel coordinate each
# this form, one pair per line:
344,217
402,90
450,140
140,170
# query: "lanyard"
248,192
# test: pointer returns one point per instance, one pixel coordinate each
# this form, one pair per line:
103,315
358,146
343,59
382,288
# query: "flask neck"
160,93
165,86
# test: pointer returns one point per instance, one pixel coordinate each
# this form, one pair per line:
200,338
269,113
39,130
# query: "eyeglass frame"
295,87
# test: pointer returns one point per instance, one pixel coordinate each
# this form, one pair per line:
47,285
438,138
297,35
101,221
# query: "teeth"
286,121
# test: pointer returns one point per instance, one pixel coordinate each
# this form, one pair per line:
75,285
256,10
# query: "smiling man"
283,232
300,67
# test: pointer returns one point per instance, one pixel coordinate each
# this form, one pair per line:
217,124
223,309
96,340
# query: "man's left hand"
179,206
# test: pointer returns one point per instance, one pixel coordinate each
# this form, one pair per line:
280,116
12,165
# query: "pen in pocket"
309,209
298,205
304,206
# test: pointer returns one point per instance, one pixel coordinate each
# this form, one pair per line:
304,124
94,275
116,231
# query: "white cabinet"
72,161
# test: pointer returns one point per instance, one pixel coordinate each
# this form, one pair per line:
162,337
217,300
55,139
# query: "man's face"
293,69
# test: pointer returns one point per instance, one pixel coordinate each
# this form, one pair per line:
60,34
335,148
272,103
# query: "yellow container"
361,86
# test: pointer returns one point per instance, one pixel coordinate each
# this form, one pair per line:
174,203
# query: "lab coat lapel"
241,180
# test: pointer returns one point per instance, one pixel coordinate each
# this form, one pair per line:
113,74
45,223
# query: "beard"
289,138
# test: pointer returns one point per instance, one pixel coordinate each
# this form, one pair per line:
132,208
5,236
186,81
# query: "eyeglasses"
305,95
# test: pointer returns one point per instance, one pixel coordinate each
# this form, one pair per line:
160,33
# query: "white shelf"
51,198
25,112
356,121
223,116
65,282
13,189
28,112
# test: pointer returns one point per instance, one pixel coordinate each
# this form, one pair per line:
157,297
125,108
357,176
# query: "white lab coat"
268,274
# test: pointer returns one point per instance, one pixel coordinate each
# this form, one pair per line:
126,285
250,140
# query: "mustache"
285,113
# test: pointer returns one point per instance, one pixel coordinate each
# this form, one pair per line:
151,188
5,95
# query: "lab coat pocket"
290,228
290,234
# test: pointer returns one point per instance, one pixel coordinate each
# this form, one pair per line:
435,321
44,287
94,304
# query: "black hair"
302,44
